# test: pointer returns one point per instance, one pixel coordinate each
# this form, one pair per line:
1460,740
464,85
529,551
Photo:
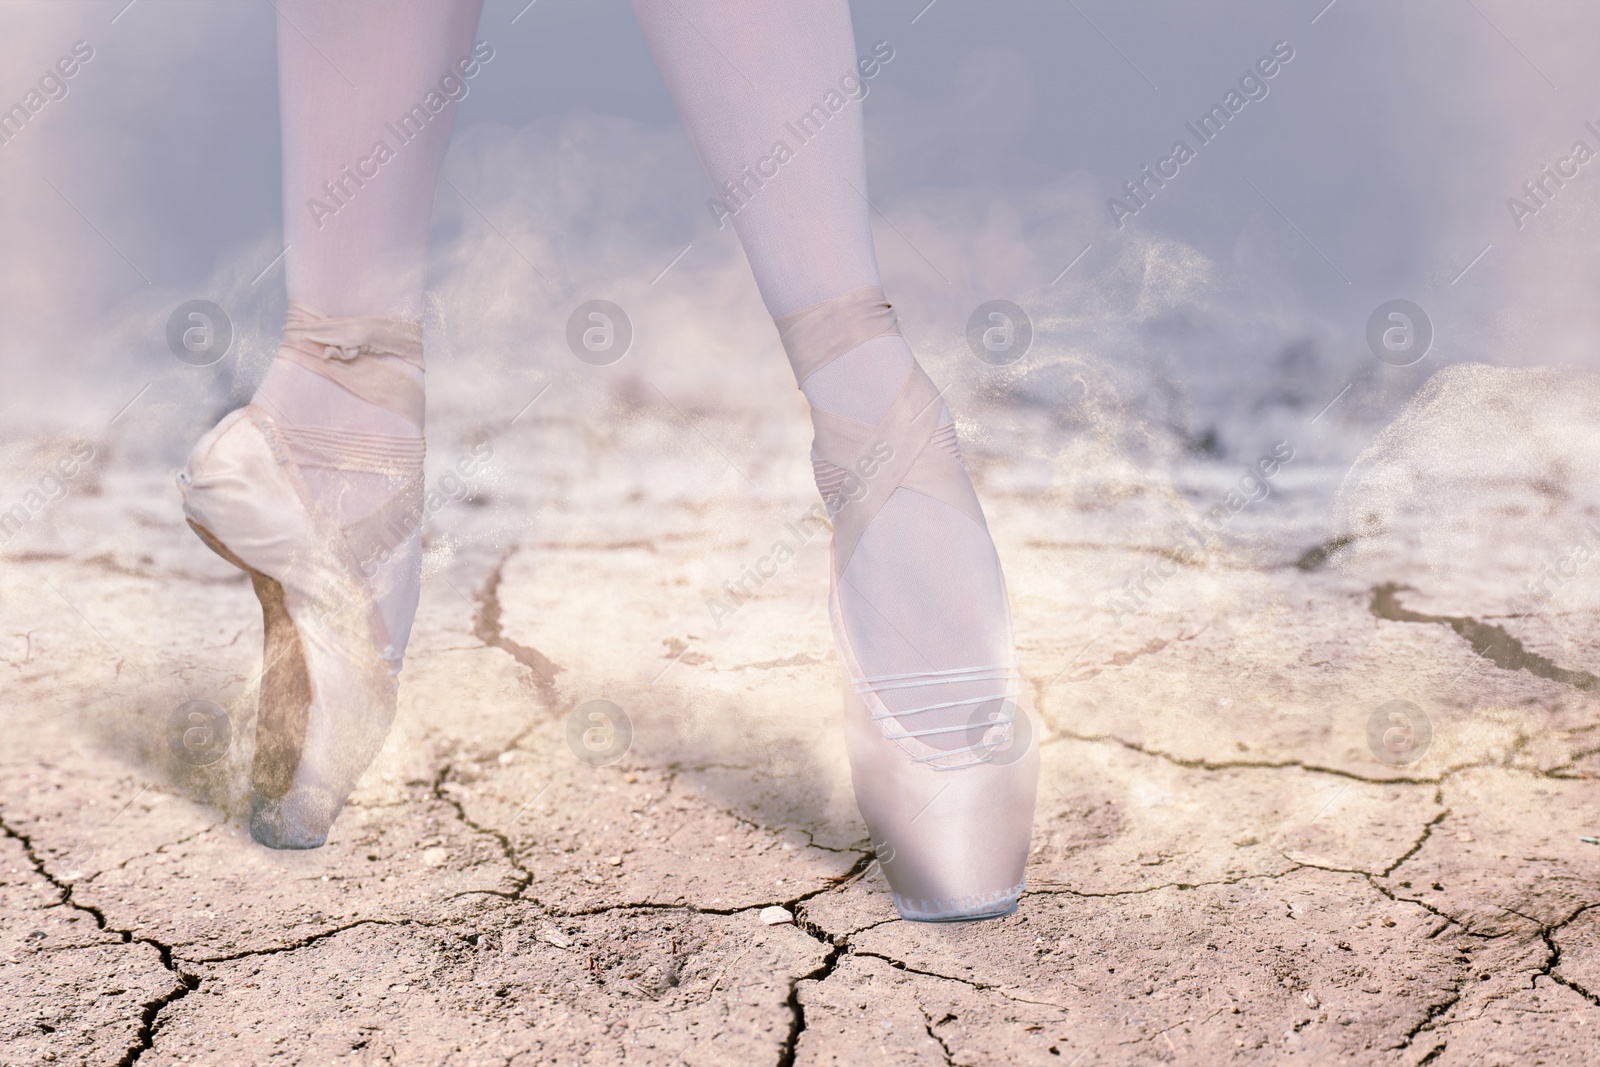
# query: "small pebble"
1311,999
555,937
775,915
615,861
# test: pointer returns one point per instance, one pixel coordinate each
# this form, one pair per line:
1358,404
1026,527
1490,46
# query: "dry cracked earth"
1224,870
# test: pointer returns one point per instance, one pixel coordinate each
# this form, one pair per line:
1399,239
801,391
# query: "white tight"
923,590
347,71
353,74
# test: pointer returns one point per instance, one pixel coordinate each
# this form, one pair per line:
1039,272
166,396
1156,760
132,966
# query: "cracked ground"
1225,868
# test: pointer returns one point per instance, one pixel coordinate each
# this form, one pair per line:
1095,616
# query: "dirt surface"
1229,866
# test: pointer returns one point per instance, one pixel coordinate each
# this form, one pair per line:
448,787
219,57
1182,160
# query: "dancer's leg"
315,487
352,75
349,72
920,595
923,589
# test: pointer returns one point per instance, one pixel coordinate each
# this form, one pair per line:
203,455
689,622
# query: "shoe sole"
284,705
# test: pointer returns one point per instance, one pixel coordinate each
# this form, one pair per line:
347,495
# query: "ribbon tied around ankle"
360,354
893,454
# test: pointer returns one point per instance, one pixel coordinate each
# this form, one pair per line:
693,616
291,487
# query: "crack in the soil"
1545,932
1048,889
671,773
158,850
821,973
150,1010
1488,641
927,1024
1554,959
1314,557
799,659
1455,992
902,965
1058,733
1122,659
1247,765
832,882
970,983
508,850
486,627
1438,1050
1422,838
308,940
1452,998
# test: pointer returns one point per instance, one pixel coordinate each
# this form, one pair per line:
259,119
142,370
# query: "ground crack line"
506,847
1250,765
790,905
1422,839
486,628
186,983
820,973
970,983
1434,1011
1554,959
927,1023
1123,659
309,940
1490,642
1049,889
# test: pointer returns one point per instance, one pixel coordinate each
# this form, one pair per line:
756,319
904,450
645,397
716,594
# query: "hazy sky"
1378,163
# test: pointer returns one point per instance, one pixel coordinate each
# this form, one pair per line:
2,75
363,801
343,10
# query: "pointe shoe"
950,826
330,668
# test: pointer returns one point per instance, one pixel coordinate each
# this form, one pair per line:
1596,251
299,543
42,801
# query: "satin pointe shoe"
945,780
330,663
